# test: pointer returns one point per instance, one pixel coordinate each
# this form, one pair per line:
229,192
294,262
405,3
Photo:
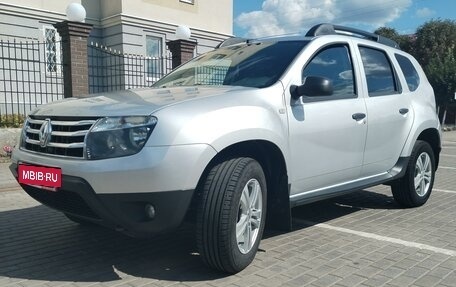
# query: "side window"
410,73
379,72
333,63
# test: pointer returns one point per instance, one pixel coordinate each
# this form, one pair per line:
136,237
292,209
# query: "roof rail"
231,41
330,29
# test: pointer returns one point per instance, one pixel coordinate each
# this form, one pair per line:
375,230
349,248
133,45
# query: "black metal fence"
110,70
30,75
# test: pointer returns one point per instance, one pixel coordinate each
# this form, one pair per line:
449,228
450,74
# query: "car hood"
130,102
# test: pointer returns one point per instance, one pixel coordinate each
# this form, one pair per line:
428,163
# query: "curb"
449,128
10,188
7,181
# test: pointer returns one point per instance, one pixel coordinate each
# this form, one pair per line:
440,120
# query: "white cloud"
425,12
260,23
346,75
323,62
293,16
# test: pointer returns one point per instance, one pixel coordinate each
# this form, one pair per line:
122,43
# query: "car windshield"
256,65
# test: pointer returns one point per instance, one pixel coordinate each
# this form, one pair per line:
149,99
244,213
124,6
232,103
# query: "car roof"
316,31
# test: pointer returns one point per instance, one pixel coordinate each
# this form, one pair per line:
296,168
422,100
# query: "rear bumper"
125,212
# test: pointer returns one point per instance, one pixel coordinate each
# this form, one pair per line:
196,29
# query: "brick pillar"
74,57
182,51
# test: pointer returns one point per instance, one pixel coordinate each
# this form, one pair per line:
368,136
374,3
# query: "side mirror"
313,87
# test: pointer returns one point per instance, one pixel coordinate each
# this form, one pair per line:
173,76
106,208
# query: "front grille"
67,137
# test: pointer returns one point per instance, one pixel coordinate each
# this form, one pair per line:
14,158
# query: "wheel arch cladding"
271,159
432,137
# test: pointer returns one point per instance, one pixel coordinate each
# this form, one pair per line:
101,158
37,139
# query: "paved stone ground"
7,181
363,239
8,137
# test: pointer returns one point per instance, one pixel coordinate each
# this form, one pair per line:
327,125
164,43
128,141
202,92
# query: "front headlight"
118,136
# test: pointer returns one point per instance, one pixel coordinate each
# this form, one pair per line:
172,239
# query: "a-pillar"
74,57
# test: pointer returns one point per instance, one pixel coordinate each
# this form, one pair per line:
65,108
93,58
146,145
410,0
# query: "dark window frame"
350,57
397,82
414,88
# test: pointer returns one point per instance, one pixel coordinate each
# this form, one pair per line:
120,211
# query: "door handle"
358,116
403,111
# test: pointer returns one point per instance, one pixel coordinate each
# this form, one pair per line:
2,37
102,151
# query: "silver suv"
254,127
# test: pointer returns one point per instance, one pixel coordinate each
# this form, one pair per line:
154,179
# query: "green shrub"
12,121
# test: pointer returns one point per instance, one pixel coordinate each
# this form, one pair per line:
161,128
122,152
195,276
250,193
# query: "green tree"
388,32
441,71
435,39
404,41
434,46
435,49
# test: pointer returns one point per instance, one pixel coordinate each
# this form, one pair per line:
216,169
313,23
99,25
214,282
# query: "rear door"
389,109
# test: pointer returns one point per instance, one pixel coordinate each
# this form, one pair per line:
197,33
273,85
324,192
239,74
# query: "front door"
328,133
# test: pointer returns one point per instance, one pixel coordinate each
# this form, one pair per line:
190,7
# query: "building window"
52,50
188,1
154,58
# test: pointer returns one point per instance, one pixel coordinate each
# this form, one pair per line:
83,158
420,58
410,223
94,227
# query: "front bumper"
125,212
114,192
153,169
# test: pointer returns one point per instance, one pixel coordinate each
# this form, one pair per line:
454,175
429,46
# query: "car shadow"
336,207
329,209
41,244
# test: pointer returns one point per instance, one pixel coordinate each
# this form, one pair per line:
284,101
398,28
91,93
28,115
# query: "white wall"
123,24
209,15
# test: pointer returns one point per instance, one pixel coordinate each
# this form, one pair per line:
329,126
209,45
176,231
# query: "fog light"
150,211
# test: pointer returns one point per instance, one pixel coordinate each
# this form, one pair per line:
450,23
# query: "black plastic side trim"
396,172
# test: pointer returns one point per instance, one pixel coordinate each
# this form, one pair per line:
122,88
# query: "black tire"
79,220
404,191
220,209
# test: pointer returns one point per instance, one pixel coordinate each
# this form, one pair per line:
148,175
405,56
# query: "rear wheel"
231,214
415,187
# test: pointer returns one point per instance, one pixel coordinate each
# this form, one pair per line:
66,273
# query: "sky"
259,18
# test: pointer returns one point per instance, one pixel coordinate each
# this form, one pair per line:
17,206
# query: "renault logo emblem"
45,133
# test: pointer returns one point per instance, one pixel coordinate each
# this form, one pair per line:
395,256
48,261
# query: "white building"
131,26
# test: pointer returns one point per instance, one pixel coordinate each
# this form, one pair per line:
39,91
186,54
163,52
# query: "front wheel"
415,187
231,214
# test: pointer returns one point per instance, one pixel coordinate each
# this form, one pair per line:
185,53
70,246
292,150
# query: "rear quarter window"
409,71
